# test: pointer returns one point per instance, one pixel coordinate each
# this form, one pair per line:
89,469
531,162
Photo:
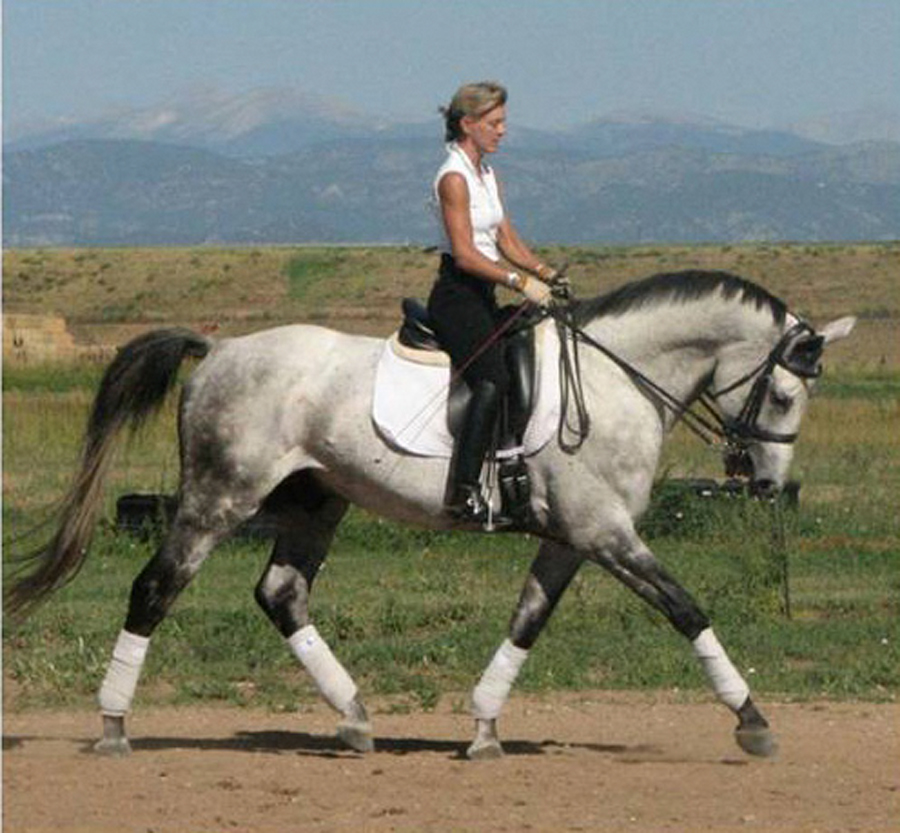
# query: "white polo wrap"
121,679
335,684
494,686
728,684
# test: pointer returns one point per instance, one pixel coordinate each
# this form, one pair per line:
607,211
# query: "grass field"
414,614
106,294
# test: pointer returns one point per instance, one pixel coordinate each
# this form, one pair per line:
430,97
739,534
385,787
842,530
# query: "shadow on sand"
329,746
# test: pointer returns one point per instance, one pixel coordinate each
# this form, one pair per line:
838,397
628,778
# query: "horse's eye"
782,401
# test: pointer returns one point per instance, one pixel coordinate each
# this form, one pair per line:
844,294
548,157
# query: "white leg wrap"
728,684
493,688
335,684
121,679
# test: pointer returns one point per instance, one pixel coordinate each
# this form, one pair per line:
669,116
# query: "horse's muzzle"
737,462
764,489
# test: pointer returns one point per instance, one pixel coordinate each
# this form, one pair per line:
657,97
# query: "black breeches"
465,317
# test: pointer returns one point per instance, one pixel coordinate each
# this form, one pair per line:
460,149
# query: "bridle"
797,351
745,426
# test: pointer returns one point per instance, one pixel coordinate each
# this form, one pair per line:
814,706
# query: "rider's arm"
454,196
517,252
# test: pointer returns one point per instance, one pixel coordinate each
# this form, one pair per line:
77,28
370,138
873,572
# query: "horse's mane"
679,288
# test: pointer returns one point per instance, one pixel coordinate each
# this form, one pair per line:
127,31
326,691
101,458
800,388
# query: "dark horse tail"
133,388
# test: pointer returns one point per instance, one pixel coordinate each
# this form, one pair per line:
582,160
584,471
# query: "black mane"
679,287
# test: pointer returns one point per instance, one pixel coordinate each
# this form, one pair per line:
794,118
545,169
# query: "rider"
464,312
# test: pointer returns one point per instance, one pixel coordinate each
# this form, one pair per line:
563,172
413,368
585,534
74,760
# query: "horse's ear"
836,330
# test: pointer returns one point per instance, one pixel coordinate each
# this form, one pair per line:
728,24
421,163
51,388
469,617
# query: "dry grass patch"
108,295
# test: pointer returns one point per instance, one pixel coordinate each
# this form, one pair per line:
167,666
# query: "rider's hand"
557,280
536,291
554,277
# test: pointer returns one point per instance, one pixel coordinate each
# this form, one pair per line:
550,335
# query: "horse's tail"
133,387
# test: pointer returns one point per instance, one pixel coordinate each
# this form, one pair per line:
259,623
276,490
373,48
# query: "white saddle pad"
412,394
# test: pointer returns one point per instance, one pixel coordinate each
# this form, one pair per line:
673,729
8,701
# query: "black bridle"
798,351
745,426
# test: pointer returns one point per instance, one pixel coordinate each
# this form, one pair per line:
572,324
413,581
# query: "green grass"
305,270
53,378
416,614
872,384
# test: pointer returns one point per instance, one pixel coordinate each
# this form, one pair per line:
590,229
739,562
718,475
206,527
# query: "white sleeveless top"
485,207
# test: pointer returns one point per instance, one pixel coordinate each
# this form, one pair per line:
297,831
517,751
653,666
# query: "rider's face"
488,130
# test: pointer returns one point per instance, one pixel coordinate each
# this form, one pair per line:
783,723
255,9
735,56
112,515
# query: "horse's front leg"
549,576
630,560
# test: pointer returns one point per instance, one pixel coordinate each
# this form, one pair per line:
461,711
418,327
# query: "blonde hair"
473,100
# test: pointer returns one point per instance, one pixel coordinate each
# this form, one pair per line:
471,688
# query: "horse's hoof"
113,747
357,736
759,741
485,750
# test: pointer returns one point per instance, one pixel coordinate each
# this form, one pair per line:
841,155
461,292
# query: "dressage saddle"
417,333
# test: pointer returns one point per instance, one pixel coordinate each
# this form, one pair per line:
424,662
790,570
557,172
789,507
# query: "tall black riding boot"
466,500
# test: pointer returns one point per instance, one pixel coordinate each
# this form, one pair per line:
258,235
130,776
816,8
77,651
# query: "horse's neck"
678,345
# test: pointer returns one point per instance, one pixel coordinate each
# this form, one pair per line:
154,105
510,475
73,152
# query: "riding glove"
535,291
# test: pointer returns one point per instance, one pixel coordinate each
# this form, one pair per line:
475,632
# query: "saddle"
417,334
416,331
417,405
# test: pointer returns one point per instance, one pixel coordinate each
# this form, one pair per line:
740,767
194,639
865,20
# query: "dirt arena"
598,761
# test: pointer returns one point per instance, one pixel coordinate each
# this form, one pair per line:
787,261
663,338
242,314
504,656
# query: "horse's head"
764,405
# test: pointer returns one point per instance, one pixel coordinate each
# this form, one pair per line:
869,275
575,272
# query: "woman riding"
462,305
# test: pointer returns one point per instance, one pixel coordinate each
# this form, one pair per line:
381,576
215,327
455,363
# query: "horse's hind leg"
283,593
152,594
549,576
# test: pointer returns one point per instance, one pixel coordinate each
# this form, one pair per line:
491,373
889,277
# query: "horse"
282,419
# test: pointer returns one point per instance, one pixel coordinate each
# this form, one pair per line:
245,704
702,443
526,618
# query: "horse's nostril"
738,463
763,488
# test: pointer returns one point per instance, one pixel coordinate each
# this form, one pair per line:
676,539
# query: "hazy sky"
752,62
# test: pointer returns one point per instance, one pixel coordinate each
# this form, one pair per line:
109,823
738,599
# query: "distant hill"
261,122
866,124
282,168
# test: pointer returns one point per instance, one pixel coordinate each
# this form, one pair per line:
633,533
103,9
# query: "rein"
708,430
713,428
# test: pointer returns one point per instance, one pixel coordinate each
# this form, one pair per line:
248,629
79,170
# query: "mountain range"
278,166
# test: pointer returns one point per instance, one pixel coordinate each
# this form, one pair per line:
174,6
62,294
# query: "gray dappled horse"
282,418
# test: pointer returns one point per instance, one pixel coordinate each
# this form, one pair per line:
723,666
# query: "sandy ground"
598,761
